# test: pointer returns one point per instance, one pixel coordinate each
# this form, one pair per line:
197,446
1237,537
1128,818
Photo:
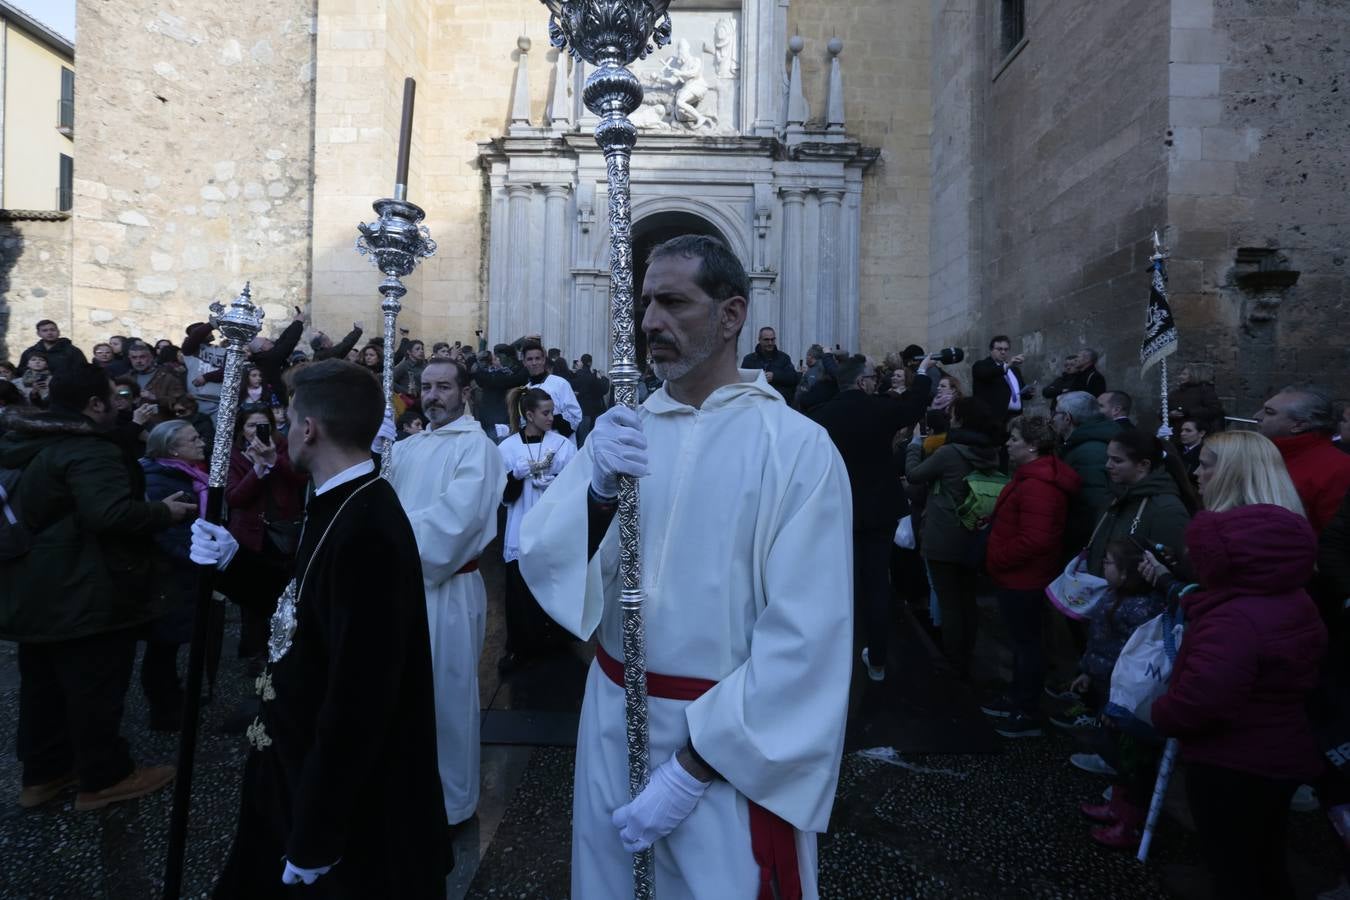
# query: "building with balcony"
37,114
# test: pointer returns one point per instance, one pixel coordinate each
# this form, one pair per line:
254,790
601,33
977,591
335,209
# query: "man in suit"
998,380
1116,406
862,425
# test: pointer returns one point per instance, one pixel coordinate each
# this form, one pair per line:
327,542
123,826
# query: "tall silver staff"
238,325
396,243
610,34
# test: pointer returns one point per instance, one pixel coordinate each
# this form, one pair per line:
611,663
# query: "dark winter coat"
1252,648
1163,519
1320,472
89,569
271,362
785,374
1109,626
943,537
495,382
1026,538
991,385
1089,380
1197,401
251,500
1085,451
176,578
590,390
62,356
862,427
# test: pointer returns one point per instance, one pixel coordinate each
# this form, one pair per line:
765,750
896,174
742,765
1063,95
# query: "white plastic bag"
904,534
1143,671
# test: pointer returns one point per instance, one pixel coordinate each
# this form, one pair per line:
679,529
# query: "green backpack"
983,489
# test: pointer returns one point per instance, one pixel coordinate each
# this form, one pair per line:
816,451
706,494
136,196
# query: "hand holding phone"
263,432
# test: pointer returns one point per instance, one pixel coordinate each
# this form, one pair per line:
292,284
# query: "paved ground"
966,816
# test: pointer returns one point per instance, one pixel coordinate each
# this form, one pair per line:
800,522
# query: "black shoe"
1075,718
1000,707
1018,725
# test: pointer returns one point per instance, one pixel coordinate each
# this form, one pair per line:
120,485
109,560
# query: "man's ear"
734,312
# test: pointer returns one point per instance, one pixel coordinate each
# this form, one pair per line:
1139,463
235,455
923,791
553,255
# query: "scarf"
198,476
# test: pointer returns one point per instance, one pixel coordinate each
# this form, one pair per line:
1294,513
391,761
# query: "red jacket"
1252,649
1026,541
246,495
1321,474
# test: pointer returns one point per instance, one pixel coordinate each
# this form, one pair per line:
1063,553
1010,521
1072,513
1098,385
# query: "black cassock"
344,762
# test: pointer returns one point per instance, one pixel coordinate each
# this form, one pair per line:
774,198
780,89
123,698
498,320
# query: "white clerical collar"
365,467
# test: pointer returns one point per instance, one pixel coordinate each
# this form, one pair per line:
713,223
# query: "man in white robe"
449,479
566,407
747,568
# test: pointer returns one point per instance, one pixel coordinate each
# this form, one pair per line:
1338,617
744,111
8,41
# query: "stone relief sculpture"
726,54
684,72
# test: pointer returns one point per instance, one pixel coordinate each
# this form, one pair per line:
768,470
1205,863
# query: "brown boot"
38,794
139,783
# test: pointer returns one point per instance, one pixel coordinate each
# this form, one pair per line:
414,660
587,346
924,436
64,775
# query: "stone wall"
202,116
34,276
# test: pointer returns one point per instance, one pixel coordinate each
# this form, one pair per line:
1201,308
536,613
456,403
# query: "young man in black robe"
342,795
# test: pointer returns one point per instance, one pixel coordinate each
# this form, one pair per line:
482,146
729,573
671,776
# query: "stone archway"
647,233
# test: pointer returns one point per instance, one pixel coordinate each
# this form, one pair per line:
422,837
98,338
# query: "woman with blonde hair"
1240,468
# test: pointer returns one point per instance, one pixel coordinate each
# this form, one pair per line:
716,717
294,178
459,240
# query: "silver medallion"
283,625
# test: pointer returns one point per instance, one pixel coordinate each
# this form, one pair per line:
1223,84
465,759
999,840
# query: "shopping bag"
1143,671
904,534
1076,592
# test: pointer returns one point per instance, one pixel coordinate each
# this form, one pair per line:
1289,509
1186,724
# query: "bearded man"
746,558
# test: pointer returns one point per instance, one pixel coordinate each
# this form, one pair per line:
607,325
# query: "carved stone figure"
684,72
726,55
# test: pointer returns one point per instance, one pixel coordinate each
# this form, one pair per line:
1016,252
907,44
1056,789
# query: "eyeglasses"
124,393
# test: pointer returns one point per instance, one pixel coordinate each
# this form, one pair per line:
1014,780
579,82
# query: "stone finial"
559,113
834,117
797,110
520,99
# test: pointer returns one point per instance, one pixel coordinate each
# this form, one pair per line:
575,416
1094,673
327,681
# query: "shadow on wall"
11,248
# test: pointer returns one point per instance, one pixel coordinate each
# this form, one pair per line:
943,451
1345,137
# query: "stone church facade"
891,171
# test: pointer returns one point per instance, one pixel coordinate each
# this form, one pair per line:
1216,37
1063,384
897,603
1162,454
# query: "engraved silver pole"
1165,429
610,34
238,325
395,243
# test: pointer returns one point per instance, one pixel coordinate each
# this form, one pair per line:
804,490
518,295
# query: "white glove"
387,432
664,803
543,481
521,469
212,545
618,447
293,874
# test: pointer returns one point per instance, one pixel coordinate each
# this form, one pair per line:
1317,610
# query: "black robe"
350,772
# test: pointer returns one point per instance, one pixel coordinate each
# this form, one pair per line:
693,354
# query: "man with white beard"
747,568
449,479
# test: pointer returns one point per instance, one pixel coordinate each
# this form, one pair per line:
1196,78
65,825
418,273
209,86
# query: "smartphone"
1160,553
263,432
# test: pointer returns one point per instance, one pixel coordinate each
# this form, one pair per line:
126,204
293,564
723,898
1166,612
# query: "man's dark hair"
408,417
44,322
1000,339
439,346
975,416
912,353
554,353
531,345
461,371
586,360
850,370
138,345
72,389
720,273
345,397
1122,400
316,342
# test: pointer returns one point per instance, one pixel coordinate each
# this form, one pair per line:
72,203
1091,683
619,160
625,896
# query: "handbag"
1143,671
283,535
1076,592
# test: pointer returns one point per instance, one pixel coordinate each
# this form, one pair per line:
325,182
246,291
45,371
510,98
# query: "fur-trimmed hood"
28,431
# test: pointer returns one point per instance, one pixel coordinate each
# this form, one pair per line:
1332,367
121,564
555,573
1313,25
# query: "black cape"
344,762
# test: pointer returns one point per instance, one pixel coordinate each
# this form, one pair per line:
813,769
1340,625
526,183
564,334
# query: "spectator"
1080,374
36,380
1116,406
111,363
441,350
62,355
170,357
558,365
174,464
938,420
256,391
372,360
185,409
567,415
204,363
7,371
271,356
945,541
1195,398
590,390
408,373
1024,555
75,599
861,425
1236,700
409,424
1151,496
494,381
157,383
1086,433
998,381
119,344
778,369
324,348
1301,420
1191,442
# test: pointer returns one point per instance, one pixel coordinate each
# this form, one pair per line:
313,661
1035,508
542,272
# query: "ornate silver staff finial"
238,324
610,34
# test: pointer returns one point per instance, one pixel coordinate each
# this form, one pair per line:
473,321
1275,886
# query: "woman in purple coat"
1250,657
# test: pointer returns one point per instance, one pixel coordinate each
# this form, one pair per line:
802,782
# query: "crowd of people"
896,474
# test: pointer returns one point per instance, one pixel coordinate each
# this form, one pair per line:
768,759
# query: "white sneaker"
876,673
1091,762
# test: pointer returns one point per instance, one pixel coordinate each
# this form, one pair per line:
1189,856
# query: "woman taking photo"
1025,553
1249,659
174,463
534,455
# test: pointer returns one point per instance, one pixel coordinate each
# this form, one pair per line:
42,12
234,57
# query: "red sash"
771,838
470,566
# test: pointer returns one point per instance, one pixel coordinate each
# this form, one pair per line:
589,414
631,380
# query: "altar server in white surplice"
449,479
747,567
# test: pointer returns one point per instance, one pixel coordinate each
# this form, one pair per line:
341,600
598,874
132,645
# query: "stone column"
791,288
516,260
555,268
827,281
850,231
497,272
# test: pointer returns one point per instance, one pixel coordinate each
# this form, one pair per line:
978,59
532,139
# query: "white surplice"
450,482
747,566
554,446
